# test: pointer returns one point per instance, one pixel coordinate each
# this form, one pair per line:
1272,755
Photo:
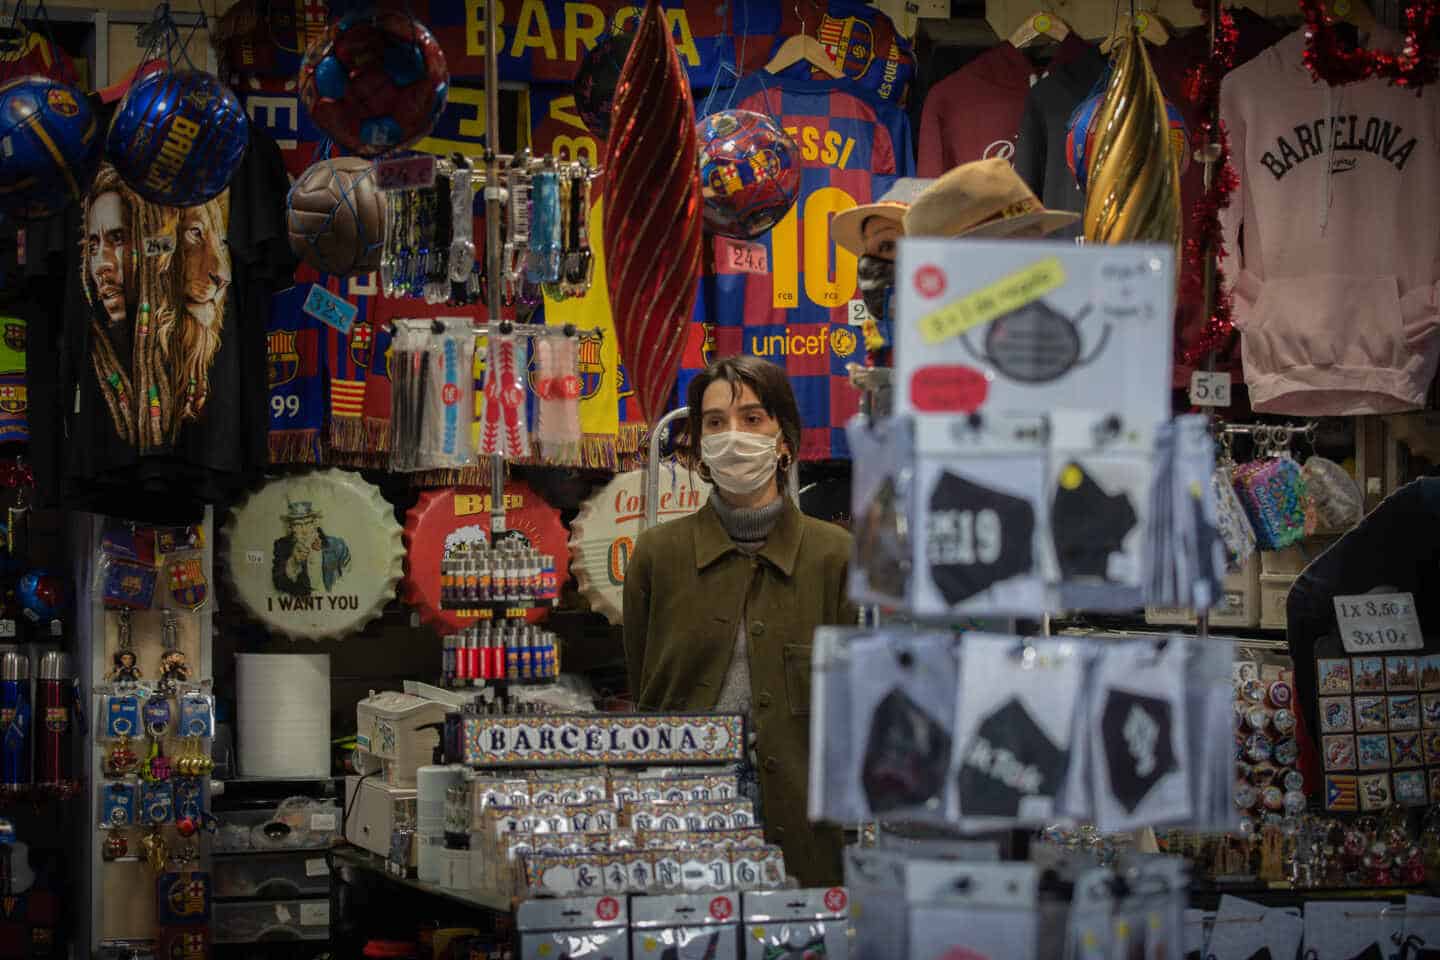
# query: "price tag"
857,313
315,867
7,628
1210,389
1378,623
737,256
256,558
321,822
315,914
406,173
330,309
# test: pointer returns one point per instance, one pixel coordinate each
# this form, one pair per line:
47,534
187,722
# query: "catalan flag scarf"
297,395
347,359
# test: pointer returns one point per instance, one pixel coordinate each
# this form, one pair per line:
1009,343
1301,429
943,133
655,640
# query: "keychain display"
1272,491
136,561
503,429
432,396
557,386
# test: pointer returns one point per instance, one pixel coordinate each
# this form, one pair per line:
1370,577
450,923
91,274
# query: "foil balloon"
596,79
49,145
653,237
41,595
749,172
1079,130
178,137
375,81
1134,179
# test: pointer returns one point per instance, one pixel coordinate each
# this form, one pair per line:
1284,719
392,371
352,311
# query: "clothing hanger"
804,48
1041,23
1148,25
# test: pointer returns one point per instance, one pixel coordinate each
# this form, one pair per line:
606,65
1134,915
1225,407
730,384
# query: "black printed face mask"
809,950
905,757
976,537
876,279
1088,524
1009,760
1138,752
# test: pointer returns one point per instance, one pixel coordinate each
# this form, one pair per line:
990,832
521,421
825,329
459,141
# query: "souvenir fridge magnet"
450,520
314,555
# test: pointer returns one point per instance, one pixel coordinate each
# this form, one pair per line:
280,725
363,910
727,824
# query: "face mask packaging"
1138,730
1198,925
1099,499
685,926
1183,554
591,927
883,882
1210,705
833,790
978,510
989,910
796,925
902,686
1249,931
1014,728
1343,930
1420,929
883,459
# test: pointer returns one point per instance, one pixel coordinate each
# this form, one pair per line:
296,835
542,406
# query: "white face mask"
740,462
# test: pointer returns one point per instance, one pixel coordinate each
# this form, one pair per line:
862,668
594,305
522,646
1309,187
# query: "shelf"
372,863
1208,896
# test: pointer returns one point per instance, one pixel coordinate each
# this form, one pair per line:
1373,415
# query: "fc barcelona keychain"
127,667
173,668
187,582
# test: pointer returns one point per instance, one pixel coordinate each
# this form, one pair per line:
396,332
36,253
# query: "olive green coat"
686,589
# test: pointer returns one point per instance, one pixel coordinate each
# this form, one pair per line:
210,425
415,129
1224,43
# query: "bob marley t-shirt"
165,318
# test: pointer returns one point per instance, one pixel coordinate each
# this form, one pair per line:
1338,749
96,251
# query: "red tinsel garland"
1412,67
1210,140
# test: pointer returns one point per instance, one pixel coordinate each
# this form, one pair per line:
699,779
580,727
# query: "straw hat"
848,227
985,198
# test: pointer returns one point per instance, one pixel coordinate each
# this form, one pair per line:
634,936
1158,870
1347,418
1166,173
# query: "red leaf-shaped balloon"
653,236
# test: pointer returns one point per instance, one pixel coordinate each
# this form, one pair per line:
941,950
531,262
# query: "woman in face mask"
721,606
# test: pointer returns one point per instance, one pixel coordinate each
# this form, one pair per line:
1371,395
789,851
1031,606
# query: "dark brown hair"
771,386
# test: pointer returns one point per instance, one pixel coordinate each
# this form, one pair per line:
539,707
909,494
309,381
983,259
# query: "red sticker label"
450,393
929,282
737,256
608,908
954,389
721,908
835,899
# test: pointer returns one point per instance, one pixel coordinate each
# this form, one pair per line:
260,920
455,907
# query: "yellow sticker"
544,950
1041,23
650,944
759,933
1071,477
995,300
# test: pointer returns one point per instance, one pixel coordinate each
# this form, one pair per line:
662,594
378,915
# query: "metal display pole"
494,204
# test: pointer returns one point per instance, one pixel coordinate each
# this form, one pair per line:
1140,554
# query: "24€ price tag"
1209,389
738,256
406,173
1378,623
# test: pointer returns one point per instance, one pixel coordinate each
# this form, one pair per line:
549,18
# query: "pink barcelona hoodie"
1337,220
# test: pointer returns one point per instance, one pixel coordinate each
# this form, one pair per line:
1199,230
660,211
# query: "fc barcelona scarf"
347,360
377,393
297,396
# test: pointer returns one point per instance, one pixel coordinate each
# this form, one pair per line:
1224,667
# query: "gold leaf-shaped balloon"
1134,174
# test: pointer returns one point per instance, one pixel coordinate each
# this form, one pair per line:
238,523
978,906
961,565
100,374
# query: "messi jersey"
802,310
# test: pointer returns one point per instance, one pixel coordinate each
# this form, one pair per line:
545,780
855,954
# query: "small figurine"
173,668
127,666
116,846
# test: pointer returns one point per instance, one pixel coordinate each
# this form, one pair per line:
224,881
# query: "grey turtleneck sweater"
749,528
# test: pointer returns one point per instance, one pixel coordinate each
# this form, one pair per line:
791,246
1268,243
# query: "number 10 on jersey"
830,271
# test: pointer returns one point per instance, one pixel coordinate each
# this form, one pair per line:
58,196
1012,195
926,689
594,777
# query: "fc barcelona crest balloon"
49,145
178,137
749,173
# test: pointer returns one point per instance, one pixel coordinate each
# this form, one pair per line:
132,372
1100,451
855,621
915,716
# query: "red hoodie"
974,113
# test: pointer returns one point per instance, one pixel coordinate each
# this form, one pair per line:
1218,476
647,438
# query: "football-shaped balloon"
749,172
595,81
41,595
375,81
1078,130
335,216
178,137
49,145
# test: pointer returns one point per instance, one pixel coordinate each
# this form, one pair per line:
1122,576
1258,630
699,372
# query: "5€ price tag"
1210,389
330,309
738,256
406,173
1378,623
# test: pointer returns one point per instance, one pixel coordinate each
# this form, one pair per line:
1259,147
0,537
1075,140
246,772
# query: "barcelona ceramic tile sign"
610,738
603,535
452,527
314,555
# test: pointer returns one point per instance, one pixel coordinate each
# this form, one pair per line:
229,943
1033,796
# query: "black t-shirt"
161,363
